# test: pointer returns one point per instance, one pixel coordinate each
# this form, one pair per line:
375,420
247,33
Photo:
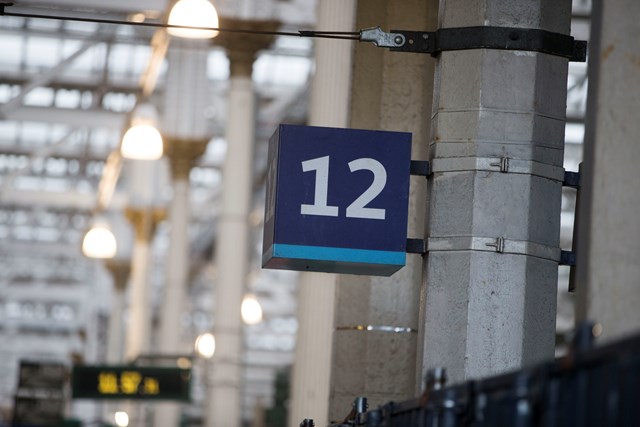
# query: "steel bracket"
463,38
420,168
416,246
568,258
571,179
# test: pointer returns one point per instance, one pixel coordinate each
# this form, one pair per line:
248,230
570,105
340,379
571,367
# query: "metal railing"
589,387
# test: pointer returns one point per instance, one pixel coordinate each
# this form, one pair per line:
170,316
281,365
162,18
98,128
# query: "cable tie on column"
377,328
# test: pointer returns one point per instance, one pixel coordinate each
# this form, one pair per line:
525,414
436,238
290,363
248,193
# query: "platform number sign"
337,200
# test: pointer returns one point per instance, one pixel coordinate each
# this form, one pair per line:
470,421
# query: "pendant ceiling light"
193,13
99,242
142,141
205,345
251,310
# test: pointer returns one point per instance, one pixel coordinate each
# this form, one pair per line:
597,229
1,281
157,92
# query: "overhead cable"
345,35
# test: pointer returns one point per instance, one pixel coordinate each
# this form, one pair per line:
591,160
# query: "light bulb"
251,310
122,419
206,345
142,142
99,242
193,13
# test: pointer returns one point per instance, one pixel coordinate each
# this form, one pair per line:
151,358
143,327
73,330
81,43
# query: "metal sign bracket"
420,168
463,38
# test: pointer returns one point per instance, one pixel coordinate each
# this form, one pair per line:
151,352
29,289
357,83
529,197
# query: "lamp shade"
142,141
193,13
99,242
251,310
122,419
206,345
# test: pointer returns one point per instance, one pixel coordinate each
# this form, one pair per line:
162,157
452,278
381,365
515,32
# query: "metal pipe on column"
330,94
494,197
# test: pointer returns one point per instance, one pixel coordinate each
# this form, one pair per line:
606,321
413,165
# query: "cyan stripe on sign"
323,253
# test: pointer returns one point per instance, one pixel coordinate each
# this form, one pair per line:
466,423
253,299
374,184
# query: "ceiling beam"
59,200
71,117
43,79
90,82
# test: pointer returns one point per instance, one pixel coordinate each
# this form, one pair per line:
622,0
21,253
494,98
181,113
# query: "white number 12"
319,206
357,209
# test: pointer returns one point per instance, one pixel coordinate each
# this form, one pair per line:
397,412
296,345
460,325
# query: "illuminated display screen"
130,382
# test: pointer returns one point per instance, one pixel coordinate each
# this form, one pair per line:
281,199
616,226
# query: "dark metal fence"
589,387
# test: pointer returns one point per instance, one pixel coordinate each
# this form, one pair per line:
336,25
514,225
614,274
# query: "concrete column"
138,336
185,138
182,153
145,181
330,95
232,250
119,270
488,307
608,242
187,93
139,326
390,91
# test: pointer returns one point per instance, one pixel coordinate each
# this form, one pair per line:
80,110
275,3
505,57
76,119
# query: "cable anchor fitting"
380,38
482,37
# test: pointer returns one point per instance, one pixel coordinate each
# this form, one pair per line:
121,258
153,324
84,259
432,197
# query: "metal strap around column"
498,164
494,244
378,328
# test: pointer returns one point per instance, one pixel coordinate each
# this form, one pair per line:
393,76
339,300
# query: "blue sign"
337,200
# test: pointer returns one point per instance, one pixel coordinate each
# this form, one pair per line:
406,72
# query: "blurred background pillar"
608,243
390,91
138,337
185,132
144,214
232,245
330,94
119,270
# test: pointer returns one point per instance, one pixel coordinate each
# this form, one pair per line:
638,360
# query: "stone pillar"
119,270
232,245
608,242
330,95
182,154
493,234
185,136
138,337
390,91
